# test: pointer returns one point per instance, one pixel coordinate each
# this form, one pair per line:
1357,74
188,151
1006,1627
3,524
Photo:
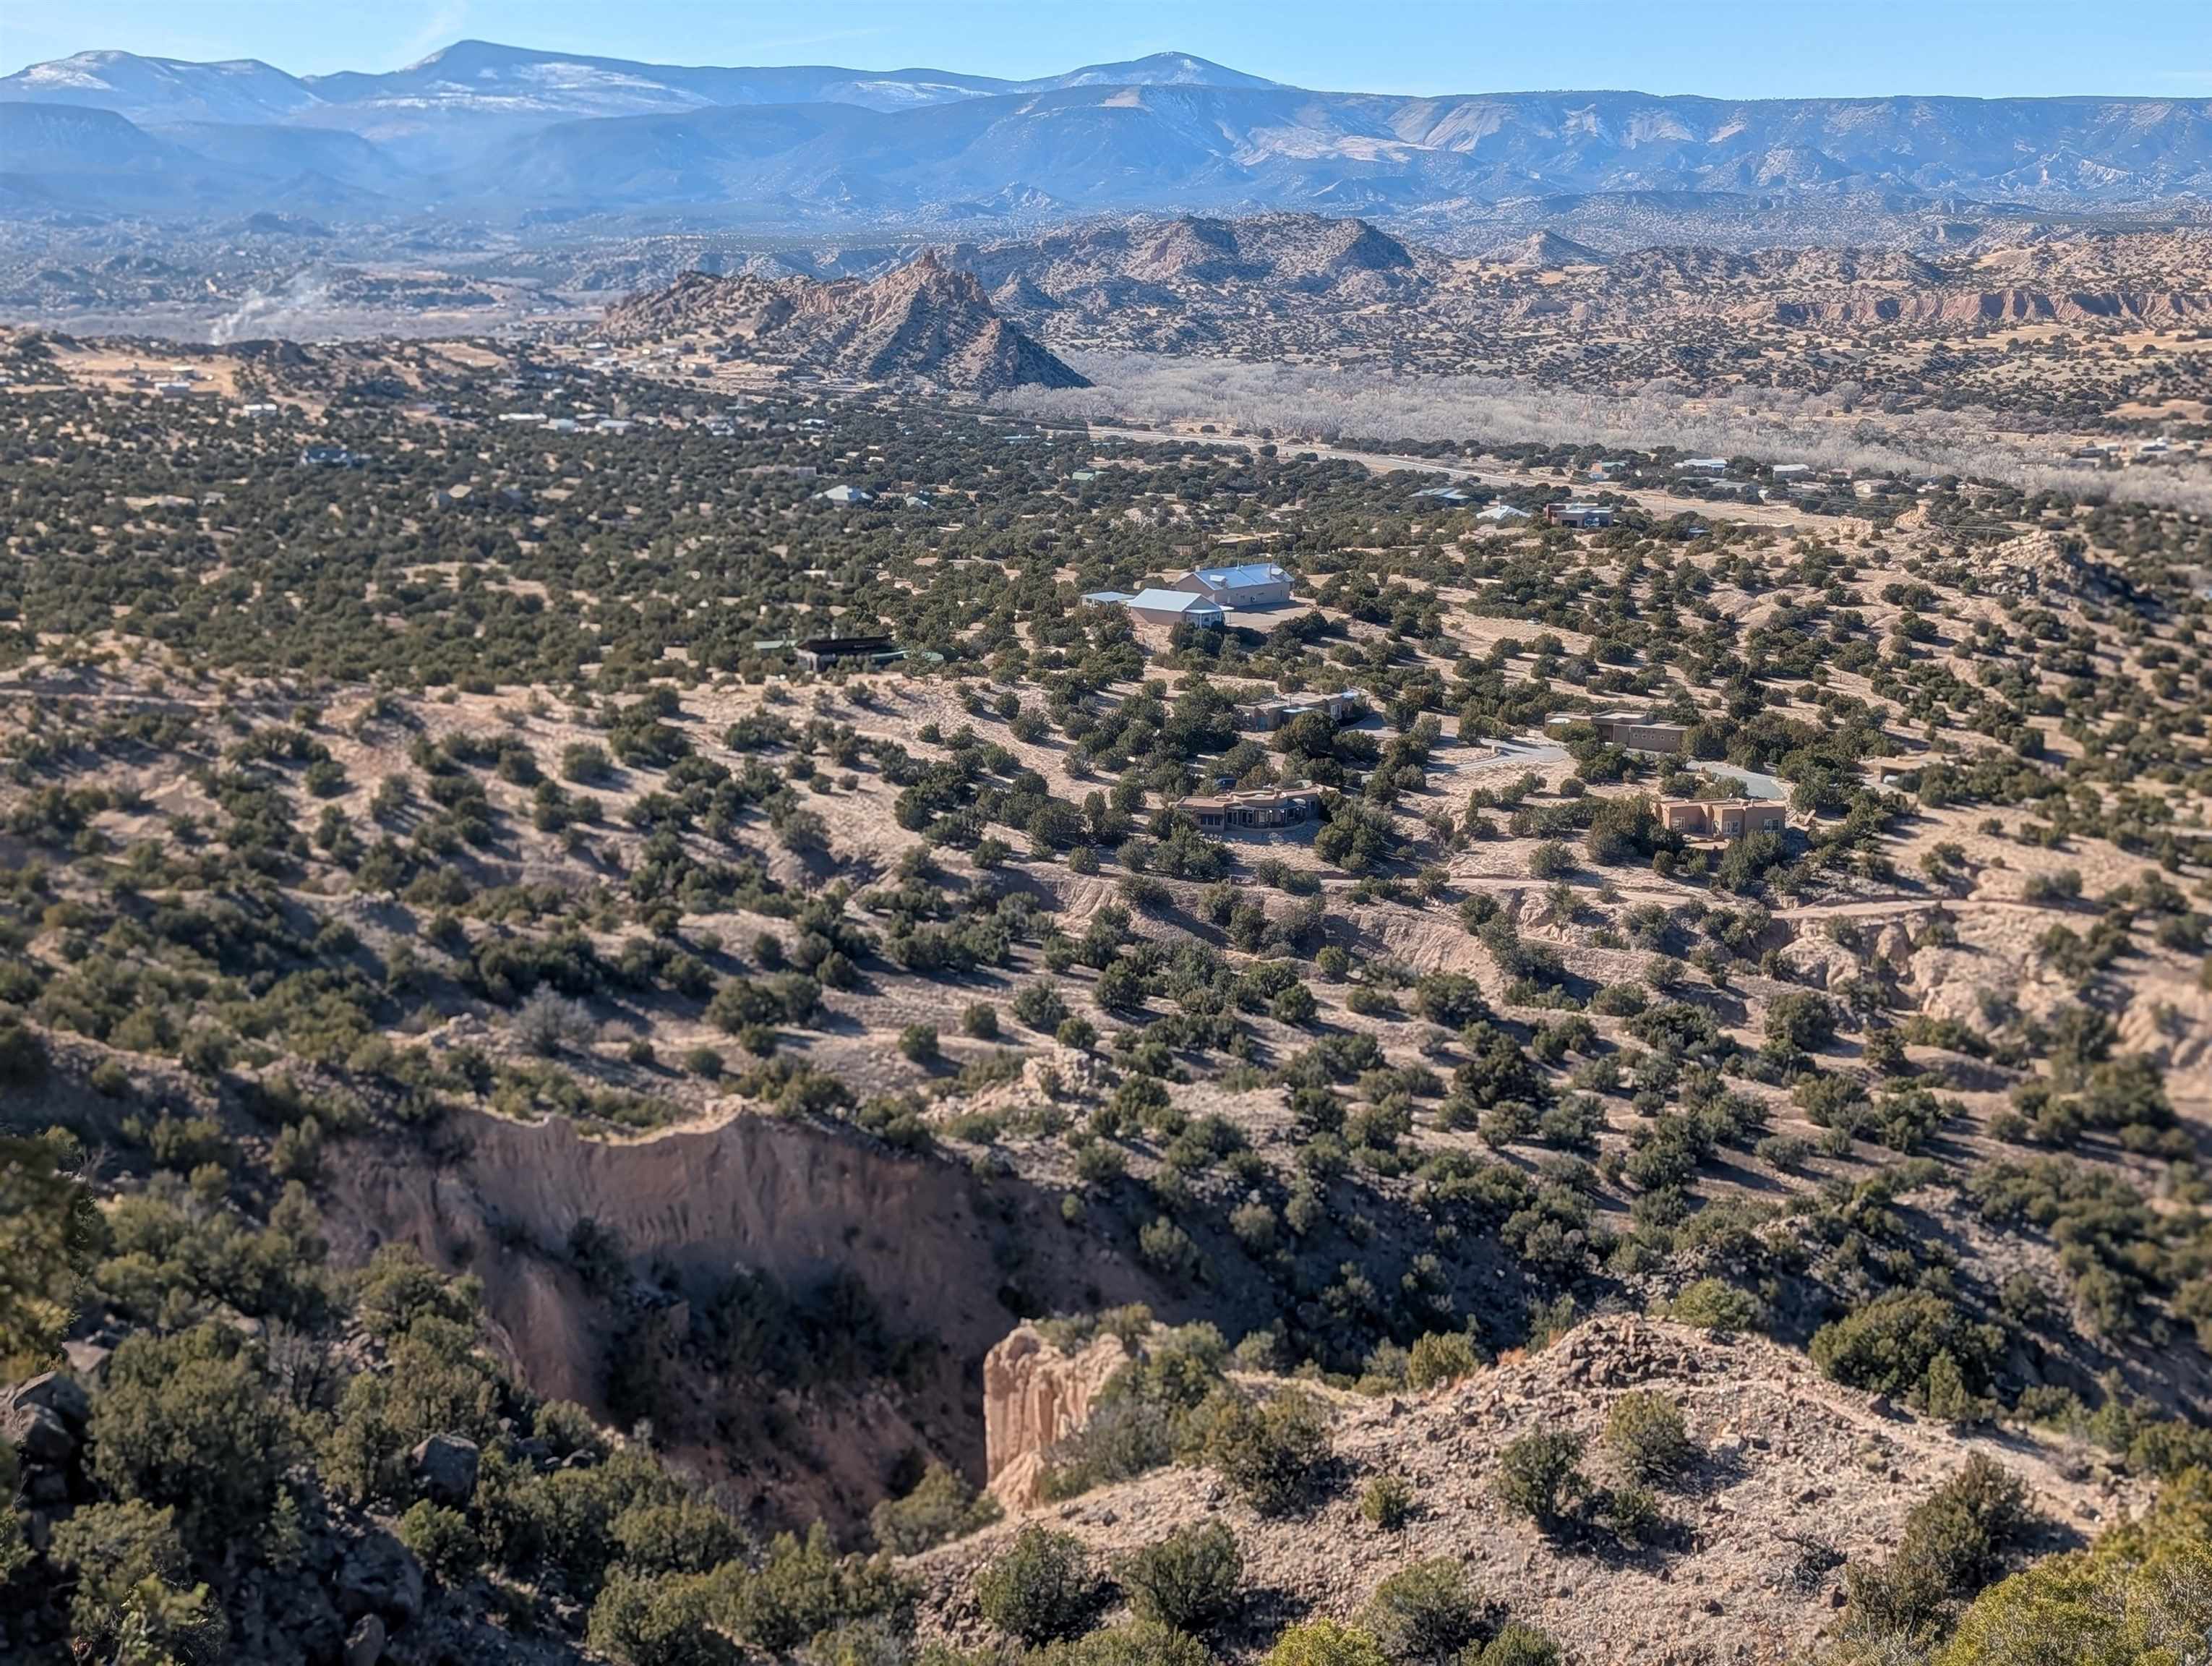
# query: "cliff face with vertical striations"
1034,1394
689,1207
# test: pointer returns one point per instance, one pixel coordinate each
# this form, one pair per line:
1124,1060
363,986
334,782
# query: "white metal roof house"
1171,606
1498,513
1253,584
844,494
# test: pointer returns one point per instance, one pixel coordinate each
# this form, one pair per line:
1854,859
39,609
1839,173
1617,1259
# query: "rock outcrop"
1791,1476
924,324
1034,1394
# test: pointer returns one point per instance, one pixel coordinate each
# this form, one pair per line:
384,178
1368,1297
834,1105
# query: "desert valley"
1343,917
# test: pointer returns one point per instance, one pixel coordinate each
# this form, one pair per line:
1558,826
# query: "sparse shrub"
941,1506
1326,1643
1187,1580
1646,1432
1388,1501
1042,1588
1426,1611
1714,1304
1632,1515
442,1540
1516,1645
1168,1250
1269,1452
547,1023
1440,1357
1540,1473
1137,1643
1954,1543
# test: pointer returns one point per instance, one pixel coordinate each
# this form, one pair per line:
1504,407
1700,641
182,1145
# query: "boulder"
38,1435
63,1395
364,1645
444,1468
379,1575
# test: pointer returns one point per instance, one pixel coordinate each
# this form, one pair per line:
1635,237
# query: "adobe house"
1636,732
1268,716
1268,807
1721,819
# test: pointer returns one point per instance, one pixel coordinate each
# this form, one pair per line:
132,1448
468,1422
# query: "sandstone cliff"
1034,1394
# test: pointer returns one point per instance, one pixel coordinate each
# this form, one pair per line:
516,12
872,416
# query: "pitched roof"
1251,572
1174,601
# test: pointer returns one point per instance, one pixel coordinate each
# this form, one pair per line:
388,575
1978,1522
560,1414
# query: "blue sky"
1742,48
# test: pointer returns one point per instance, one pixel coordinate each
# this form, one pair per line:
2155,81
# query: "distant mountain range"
504,134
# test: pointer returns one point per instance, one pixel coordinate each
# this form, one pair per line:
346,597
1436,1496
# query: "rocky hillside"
924,325
1310,289
1786,1477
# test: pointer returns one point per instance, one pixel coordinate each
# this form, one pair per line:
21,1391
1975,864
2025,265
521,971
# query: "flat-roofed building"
1578,514
1268,807
1268,716
1721,819
1638,733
